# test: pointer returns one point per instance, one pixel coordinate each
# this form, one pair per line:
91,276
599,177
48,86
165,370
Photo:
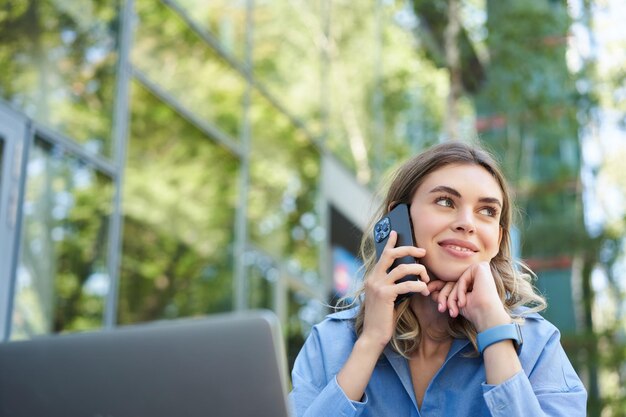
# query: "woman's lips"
458,248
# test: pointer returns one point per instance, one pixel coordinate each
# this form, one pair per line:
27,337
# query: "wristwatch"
499,333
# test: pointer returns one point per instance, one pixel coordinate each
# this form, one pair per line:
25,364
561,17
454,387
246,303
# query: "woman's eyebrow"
445,189
452,191
490,200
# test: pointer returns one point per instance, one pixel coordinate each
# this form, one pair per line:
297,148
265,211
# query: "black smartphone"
397,219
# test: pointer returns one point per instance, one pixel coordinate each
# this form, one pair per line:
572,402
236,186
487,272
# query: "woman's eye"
489,211
444,201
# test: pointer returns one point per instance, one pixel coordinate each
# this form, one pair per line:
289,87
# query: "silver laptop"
220,366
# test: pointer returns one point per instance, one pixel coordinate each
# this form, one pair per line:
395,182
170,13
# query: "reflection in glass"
225,19
284,173
347,274
178,60
286,57
62,278
58,65
179,205
1,161
354,57
262,275
303,312
386,98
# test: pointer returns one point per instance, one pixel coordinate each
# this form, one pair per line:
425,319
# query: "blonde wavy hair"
513,279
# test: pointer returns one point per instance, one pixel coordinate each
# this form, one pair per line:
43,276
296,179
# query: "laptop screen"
221,366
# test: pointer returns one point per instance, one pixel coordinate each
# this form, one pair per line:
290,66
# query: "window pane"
288,37
179,204
397,105
174,57
1,162
62,278
353,33
262,274
225,19
303,312
58,65
284,175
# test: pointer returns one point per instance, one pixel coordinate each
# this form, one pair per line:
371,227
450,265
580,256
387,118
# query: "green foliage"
386,98
295,328
413,94
175,57
59,61
287,57
64,245
530,88
225,19
284,172
179,206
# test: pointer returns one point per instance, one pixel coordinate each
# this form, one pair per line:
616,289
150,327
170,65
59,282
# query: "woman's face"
456,218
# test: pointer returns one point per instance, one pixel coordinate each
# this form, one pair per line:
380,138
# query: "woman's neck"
434,337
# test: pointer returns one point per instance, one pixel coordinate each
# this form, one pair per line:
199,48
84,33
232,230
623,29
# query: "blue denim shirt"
547,385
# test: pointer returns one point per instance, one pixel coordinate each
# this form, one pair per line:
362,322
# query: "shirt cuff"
341,405
330,401
508,398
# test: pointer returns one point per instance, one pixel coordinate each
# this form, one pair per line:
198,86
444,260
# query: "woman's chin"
445,274
450,278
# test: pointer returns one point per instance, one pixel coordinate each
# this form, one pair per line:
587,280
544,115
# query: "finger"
412,251
436,286
442,300
453,306
385,257
380,292
404,270
412,286
391,253
463,282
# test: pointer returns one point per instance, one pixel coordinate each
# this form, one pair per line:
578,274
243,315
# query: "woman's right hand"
381,290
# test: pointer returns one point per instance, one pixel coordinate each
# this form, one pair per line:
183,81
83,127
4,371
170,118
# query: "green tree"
179,199
59,60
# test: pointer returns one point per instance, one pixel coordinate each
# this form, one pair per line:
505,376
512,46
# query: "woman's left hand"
475,297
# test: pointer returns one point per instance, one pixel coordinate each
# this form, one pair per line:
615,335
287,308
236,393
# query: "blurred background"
163,159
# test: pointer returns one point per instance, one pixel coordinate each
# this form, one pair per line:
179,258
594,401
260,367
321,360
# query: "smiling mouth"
459,248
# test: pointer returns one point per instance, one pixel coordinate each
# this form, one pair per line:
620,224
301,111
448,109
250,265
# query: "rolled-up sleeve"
316,394
329,401
552,388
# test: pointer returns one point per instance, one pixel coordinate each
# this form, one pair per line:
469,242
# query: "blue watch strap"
497,334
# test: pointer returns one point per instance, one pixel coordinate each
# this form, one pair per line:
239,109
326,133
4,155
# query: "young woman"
468,341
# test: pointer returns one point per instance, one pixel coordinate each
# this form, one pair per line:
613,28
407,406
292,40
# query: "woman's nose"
464,221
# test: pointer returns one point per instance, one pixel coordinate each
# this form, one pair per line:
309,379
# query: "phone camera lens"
381,230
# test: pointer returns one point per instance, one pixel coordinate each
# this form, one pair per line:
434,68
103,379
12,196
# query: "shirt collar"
401,366
345,314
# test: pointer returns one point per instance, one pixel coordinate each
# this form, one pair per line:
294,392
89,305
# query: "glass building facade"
172,158
161,159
